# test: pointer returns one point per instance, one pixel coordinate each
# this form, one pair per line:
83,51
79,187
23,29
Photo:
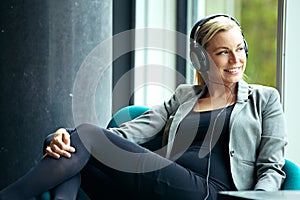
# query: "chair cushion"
292,181
126,114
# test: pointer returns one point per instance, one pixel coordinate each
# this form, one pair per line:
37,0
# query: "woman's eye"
222,53
241,49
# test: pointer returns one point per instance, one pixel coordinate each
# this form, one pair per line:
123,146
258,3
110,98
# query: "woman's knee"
88,127
86,130
90,135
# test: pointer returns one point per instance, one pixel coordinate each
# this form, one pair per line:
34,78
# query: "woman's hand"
60,145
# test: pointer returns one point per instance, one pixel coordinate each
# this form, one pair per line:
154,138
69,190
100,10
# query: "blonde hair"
208,30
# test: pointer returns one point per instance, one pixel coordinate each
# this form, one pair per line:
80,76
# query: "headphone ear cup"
199,58
246,48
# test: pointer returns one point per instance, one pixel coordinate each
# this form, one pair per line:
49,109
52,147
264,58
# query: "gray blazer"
257,132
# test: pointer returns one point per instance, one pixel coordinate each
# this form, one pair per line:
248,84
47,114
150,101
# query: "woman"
221,134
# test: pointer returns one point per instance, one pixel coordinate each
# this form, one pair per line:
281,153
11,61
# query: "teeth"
233,70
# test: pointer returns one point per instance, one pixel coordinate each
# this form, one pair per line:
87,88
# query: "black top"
203,147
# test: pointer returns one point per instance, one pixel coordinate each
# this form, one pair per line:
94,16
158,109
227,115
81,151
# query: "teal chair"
126,114
292,181
292,170
80,196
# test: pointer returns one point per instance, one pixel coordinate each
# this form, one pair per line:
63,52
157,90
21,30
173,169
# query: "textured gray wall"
43,44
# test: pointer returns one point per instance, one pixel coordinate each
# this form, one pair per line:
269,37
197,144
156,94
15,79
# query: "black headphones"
198,54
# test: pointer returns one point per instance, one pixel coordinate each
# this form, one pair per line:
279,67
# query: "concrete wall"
43,45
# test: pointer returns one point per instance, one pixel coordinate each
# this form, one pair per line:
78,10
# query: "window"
290,76
258,19
154,68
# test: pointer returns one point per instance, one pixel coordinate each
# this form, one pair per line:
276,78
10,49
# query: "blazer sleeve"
270,158
150,123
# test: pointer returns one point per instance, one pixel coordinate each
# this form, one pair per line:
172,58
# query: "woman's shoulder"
264,91
189,88
262,88
256,92
259,88
183,92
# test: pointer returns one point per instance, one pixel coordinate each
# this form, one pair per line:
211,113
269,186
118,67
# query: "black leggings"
118,167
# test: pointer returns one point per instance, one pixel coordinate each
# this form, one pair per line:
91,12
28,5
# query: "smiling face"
227,50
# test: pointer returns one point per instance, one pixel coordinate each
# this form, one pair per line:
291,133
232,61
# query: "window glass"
259,21
154,73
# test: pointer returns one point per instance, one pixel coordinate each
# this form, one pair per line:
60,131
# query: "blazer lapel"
180,114
242,98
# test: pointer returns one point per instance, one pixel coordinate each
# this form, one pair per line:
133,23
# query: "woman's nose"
233,58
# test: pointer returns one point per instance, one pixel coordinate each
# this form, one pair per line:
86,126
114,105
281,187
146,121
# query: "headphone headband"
200,23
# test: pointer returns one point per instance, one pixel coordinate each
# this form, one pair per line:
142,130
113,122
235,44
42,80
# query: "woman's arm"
145,127
152,122
270,158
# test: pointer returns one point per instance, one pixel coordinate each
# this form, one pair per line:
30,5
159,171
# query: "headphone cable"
210,143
